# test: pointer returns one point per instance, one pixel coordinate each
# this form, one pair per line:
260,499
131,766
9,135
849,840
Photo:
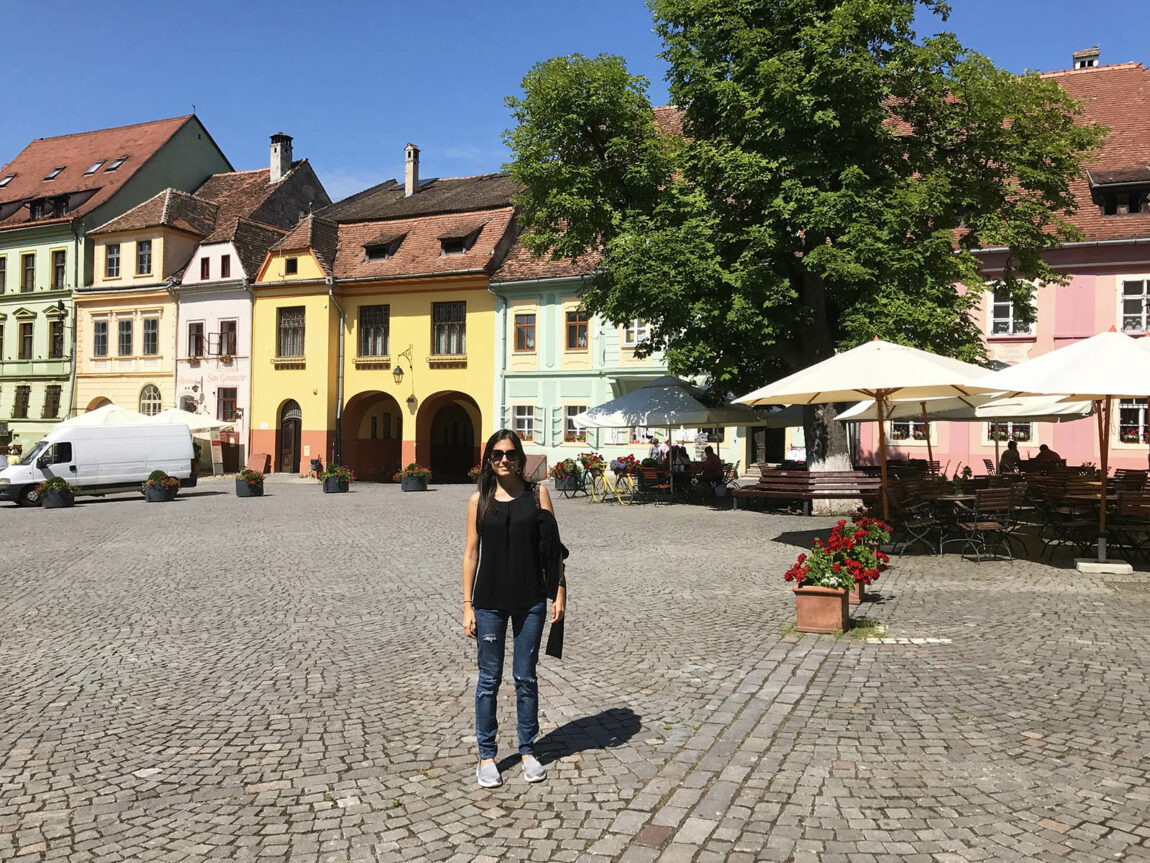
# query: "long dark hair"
487,481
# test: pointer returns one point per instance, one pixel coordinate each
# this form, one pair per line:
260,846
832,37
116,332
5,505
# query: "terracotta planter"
245,490
821,609
334,485
57,498
413,483
857,595
158,494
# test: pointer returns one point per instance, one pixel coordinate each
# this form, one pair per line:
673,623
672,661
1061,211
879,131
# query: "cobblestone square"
285,678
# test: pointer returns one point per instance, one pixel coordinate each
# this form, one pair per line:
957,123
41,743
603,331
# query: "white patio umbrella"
990,407
1107,366
664,402
196,423
106,415
876,370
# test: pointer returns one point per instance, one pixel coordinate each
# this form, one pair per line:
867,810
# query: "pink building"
1109,286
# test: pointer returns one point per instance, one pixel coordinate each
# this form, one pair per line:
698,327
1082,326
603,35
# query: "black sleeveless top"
509,576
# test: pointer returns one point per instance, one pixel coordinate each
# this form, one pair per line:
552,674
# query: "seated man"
712,466
1045,453
1010,461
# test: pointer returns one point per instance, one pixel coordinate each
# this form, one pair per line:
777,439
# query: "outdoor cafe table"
954,506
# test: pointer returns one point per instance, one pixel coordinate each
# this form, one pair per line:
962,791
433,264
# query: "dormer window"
55,172
1121,191
60,207
383,247
117,162
4,182
453,245
461,239
36,209
95,167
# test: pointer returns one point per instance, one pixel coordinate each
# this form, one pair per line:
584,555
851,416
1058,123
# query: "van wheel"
29,497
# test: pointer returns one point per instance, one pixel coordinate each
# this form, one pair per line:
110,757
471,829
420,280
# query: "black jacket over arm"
551,555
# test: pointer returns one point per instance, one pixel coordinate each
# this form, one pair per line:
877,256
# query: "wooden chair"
653,486
987,524
989,467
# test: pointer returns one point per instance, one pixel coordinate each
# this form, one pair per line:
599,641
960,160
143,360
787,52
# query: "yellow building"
126,319
394,281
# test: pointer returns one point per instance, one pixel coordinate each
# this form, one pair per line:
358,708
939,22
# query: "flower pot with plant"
336,479
824,578
414,477
625,465
249,483
159,487
56,493
474,473
565,474
592,462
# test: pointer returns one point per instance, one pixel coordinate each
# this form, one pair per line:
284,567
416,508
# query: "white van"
101,460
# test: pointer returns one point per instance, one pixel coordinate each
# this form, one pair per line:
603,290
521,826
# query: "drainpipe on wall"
501,348
339,374
169,286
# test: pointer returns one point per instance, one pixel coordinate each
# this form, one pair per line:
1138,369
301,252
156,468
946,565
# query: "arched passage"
288,434
372,435
97,402
447,432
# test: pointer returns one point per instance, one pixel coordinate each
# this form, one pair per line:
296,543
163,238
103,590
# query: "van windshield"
35,454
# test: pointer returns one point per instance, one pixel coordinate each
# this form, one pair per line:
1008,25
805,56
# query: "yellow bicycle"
603,488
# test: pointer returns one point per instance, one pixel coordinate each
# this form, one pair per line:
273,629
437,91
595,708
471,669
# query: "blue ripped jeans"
491,636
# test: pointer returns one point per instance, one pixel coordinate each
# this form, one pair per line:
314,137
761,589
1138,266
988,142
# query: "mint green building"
51,195
553,361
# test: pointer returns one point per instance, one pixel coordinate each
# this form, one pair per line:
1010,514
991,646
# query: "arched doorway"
288,437
452,442
372,435
98,402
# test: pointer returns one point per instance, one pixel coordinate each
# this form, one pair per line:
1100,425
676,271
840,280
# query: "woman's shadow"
604,730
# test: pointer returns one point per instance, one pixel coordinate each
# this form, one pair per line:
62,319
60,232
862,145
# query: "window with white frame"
634,332
909,430
1007,317
150,402
571,432
100,338
1135,299
1005,431
523,422
1132,421
151,345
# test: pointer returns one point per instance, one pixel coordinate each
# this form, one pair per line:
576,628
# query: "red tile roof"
1117,96
171,208
421,253
315,233
520,265
77,153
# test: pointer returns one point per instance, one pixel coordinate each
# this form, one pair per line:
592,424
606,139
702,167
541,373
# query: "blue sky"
354,81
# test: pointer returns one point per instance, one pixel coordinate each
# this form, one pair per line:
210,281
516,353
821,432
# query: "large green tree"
834,175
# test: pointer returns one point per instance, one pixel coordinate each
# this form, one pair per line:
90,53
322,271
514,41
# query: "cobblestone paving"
285,678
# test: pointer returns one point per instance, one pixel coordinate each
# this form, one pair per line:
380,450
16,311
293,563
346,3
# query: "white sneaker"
532,770
487,775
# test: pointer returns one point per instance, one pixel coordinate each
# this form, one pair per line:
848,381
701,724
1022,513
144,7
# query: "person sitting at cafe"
712,466
1046,454
1010,461
653,449
663,454
679,458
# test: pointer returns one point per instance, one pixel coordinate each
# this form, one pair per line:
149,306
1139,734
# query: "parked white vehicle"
101,460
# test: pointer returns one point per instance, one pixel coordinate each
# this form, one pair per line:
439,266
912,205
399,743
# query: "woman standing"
502,581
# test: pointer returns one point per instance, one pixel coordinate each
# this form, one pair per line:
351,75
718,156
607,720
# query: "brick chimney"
281,156
411,169
1087,58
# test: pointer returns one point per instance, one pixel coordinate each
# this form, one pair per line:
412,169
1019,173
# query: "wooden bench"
806,486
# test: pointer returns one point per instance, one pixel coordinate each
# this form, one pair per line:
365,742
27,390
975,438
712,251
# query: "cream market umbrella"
1101,368
876,370
196,423
106,415
990,407
666,402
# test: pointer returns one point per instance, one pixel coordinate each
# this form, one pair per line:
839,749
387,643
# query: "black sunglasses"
500,454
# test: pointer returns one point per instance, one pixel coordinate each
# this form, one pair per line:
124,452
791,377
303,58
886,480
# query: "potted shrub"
336,479
159,487
249,483
56,493
824,578
565,474
870,534
625,464
414,477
